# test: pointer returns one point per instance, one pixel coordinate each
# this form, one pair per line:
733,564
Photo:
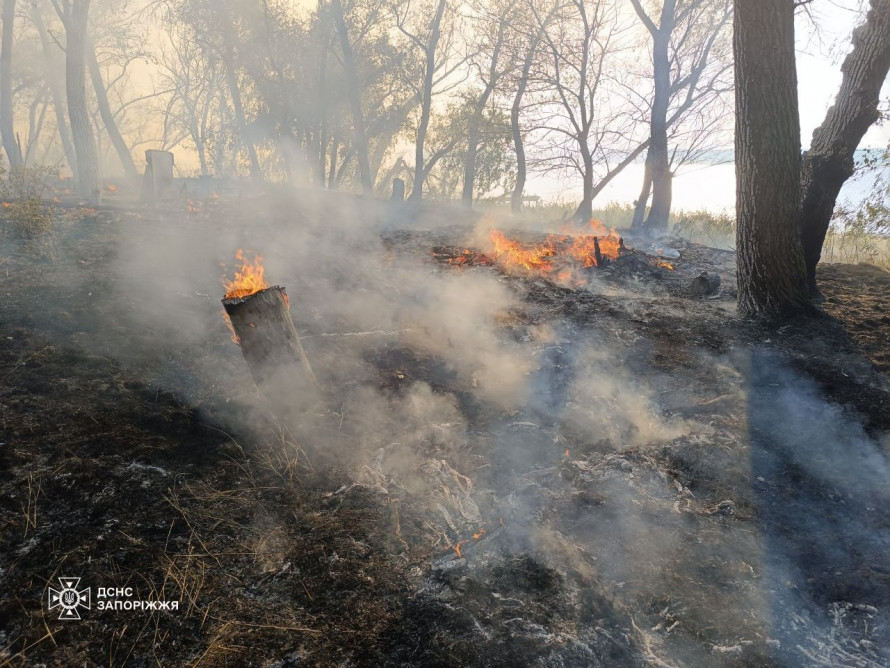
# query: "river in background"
706,186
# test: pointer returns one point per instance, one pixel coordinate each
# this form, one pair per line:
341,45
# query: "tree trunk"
332,170
120,146
7,127
472,150
270,345
238,108
355,101
55,89
829,161
643,200
516,128
658,168
320,138
476,119
518,144
617,169
771,271
657,220
585,209
426,103
202,157
75,87
470,159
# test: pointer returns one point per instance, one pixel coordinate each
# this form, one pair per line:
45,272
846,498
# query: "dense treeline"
458,98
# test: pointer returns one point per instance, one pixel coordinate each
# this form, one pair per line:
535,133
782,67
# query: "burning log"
258,316
268,339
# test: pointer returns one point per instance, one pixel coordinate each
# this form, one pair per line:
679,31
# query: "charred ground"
129,459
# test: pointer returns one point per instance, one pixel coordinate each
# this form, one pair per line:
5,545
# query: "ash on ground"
508,470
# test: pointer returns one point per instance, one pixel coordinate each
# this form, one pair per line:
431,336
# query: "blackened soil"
120,466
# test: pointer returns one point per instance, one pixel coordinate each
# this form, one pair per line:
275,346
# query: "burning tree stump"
269,341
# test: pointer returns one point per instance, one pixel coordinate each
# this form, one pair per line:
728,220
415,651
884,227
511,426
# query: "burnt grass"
126,462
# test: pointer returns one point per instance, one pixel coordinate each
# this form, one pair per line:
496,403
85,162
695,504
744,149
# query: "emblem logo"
69,598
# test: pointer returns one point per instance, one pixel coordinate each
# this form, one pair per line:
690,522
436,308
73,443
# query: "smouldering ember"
460,257
476,536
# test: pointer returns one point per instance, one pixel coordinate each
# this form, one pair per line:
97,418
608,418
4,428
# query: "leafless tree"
117,140
430,31
7,126
490,62
74,15
195,86
579,122
51,62
354,92
526,34
685,77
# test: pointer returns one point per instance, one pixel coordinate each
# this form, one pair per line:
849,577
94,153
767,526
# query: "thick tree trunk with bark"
355,101
829,161
78,113
117,140
771,272
201,148
7,127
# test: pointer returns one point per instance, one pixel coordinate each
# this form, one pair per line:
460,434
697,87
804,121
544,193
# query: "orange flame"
457,548
248,279
559,254
461,543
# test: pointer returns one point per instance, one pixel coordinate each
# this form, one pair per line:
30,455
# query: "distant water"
698,186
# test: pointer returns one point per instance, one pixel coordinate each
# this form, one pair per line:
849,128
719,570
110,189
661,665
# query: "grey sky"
819,57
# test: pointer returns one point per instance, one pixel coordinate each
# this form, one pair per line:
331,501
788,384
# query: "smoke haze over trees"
350,94
460,99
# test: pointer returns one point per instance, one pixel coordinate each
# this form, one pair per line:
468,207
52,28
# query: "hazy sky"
819,60
820,53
